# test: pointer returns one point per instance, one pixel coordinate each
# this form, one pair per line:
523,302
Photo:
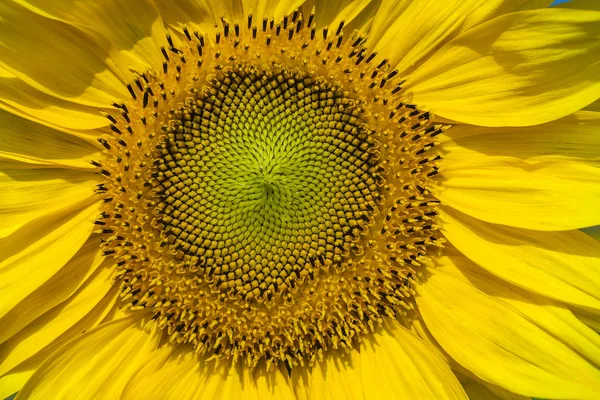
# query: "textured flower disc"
266,192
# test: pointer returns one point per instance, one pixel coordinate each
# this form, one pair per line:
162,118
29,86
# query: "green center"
267,176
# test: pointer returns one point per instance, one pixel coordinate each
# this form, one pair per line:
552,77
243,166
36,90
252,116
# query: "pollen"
265,193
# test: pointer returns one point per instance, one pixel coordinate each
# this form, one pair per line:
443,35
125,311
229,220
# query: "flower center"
266,192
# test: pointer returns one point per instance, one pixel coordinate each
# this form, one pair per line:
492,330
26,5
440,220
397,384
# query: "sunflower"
370,199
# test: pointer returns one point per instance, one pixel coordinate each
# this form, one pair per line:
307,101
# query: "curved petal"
477,390
331,13
424,27
564,266
238,382
519,69
26,141
98,364
19,375
10,384
509,337
134,27
37,251
19,98
575,138
595,106
30,193
57,58
544,195
393,363
55,290
204,14
167,375
55,322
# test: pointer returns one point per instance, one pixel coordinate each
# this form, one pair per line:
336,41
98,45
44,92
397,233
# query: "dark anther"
164,53
392,74
131,92
187,33
170,41
340,27
264,26
218,37
325,30
311,18
371,57
226,30
285,22
115,129
145,100
249,21
339,41
381,64
236,29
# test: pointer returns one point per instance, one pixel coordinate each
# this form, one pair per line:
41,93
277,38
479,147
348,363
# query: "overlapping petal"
96,365
508,337
392,364
410,31
519,69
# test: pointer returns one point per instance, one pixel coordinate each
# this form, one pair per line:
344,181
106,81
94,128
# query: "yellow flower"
299,199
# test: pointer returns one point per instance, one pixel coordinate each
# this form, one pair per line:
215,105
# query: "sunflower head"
266,191
299,199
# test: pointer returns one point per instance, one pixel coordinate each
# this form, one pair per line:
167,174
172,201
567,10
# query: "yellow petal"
134,27
26,141
409,31
519,69
595,106
507,337
55,290
270,8
392,364
57,58
237,382
10,384
204,14
19,375
96,365
29,193
574,138
561,265
55,322
19,98
36,252
544,195
478,390
590,320
166,375
331,13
